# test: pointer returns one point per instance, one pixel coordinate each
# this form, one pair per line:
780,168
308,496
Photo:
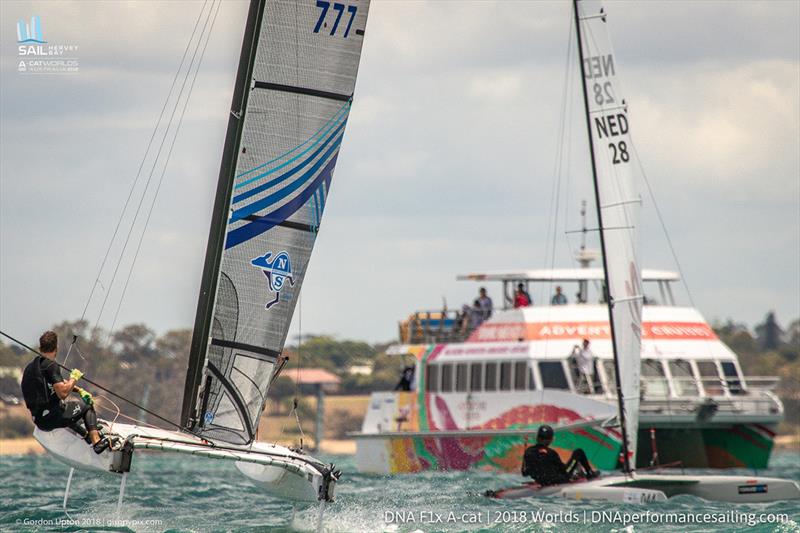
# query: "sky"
448,165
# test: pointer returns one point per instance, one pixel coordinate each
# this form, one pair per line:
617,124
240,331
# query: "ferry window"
505,376
520,373
490,383
732,377
683,378
553,376
447,378
611,376
531,381
432,378
476,377
654,381
710,377
461,377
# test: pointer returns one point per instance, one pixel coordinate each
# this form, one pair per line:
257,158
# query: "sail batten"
299,94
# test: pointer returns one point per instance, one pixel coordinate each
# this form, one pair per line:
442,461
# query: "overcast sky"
447,166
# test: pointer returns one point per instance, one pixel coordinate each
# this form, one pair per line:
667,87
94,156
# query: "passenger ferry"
479,393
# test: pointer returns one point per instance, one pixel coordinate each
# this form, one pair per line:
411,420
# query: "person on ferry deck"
543,464
584,359
475,315
406,379
521,297
485,303
558,298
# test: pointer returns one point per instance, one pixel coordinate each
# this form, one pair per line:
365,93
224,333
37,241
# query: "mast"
626,466
216,238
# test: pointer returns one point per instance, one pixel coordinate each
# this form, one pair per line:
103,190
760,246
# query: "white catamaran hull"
275,469
649,488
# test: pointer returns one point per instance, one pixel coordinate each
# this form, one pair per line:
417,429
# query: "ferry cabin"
517,370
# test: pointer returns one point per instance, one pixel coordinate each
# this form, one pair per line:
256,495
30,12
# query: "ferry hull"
425,415
731,446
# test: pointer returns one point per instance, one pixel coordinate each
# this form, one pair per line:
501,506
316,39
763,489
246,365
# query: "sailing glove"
75,374
85,396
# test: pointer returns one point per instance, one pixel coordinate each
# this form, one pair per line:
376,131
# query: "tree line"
150,369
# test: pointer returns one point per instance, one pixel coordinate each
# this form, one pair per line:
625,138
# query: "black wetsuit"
544,465
48,410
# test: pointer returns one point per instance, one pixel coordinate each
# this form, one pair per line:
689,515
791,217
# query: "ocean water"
177,494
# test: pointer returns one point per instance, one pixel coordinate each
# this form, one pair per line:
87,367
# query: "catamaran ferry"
479,390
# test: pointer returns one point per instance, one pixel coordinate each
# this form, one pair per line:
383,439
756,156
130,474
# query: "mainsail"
290,107
618,206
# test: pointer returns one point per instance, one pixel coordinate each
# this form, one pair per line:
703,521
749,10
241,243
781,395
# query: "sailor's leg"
578,457
75,411
66,490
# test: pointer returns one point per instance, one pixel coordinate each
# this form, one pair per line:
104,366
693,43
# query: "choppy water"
192,494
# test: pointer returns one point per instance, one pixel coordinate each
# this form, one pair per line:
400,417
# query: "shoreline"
30,446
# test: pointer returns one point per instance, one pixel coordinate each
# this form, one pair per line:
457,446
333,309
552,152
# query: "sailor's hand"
75,374
85,396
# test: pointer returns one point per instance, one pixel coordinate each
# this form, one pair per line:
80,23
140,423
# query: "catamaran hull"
275,469
580,489
734,489
72,450
657,487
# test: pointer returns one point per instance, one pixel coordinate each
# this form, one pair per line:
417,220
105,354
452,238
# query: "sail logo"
37,56
278,270
30,33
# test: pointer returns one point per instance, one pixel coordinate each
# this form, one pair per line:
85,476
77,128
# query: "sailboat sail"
618,205
296,80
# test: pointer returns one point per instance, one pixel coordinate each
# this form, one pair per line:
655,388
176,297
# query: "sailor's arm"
63,388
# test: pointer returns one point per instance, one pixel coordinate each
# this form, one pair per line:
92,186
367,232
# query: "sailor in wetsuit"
543,464
46,392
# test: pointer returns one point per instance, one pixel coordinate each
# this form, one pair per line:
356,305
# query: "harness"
34,388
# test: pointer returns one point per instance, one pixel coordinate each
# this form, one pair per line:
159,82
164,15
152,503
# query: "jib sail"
291,103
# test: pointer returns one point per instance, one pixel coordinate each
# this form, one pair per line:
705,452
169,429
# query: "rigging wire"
136,181
552,225
95,384
151,173
662,223
166,162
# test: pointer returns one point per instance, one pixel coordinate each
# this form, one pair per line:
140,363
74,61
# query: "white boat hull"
650,488
734,489
275,469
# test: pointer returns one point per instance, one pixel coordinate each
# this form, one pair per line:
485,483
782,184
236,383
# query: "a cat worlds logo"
278,270
30,33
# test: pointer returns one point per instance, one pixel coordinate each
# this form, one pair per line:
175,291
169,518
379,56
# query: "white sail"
299,70
619,204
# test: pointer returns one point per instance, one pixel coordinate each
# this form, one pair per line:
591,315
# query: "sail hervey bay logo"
30,33
278,270
38,56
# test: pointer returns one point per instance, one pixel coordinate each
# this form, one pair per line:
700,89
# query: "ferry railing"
762,382
435,327
757,402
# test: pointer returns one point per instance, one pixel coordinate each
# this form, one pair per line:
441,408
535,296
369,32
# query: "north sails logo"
278,270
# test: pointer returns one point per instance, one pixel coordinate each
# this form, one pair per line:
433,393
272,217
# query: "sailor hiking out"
46,394
543,464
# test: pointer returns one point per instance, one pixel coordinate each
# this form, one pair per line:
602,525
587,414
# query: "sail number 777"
339,10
